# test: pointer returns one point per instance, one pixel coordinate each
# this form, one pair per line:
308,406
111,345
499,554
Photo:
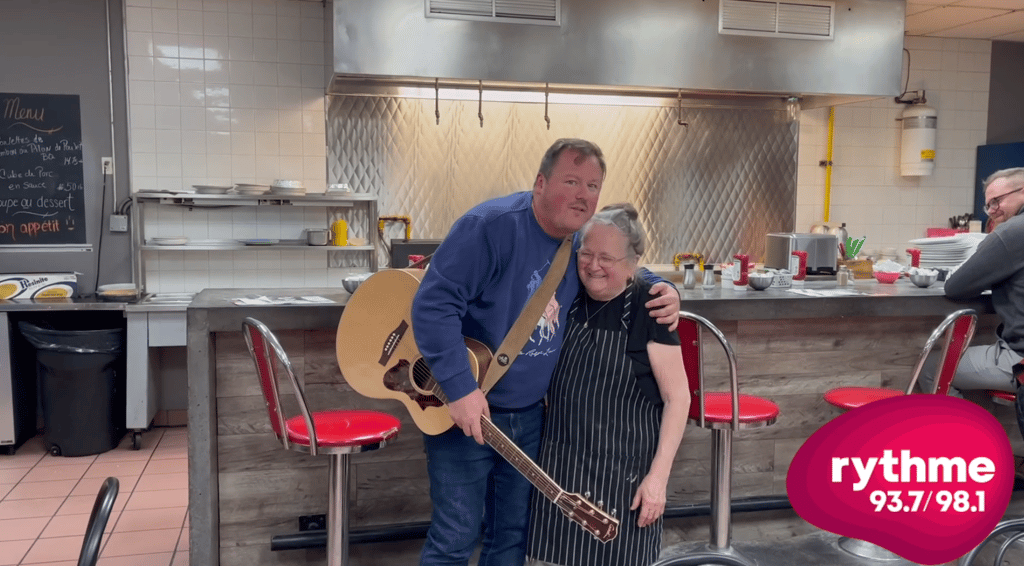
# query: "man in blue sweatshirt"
479,280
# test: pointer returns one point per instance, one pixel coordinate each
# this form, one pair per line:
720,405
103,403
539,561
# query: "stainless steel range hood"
640,47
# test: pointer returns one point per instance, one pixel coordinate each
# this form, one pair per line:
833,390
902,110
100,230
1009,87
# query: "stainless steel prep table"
149,323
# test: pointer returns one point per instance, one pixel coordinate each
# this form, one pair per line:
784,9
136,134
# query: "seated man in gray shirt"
998,264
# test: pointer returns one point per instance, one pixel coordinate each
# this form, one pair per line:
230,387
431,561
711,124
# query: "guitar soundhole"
423,378
398,378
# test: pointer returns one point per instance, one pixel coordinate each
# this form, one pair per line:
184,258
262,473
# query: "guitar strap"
527,321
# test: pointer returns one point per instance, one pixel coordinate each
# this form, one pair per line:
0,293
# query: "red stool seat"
753,410
852,397
344,428
1002,397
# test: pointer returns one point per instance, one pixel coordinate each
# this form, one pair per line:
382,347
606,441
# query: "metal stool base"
865,549
815,549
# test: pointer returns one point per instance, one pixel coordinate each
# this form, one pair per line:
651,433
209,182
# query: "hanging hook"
480,107
679,110
546,117
437,108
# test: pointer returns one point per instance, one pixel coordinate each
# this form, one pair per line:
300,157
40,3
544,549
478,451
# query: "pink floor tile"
51,473
78,504
141,542
172,452
156,499
168,466
180,559
116,469
91,486
73,525
160,482
22,529
30,507
161,559
40,490
59,563
183,541
5,489
11,552
151,519
54,550
10,475
48,460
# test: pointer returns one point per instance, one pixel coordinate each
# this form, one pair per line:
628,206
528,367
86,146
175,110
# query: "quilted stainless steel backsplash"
715,187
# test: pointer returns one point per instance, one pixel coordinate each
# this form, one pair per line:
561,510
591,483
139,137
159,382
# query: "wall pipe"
828,161
414,530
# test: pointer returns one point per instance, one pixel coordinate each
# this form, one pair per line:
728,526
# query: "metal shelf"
241,246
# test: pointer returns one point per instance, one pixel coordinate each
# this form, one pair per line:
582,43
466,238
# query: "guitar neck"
515,456
503,445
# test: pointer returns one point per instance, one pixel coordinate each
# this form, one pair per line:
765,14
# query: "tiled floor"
45,502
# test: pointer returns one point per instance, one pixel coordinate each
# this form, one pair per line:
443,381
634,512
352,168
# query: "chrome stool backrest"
271,360
689,330
958,329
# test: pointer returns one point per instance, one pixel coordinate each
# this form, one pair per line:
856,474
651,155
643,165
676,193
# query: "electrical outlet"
108,166
118,223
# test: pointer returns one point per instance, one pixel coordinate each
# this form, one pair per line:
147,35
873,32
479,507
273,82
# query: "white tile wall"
867,191
231,91
224,92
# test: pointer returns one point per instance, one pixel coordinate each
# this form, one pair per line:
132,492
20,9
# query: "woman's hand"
650,498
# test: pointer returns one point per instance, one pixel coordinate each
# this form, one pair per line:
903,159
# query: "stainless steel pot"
319,237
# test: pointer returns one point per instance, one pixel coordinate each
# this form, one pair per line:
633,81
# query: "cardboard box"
38,285
859,268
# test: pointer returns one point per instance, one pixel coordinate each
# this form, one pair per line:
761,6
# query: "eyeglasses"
603,260
994,203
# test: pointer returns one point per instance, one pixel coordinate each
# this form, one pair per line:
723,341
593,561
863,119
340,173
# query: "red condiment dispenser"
801,269
740,283
915,257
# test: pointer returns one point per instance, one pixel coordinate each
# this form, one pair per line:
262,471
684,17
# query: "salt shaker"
708,284
843,277
689,277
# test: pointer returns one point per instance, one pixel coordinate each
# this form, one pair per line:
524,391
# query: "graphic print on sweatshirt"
547,326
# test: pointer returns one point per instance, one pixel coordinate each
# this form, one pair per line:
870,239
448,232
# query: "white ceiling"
1001,20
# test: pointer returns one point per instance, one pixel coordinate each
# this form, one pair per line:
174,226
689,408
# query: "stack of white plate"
945,251
244,189
288,188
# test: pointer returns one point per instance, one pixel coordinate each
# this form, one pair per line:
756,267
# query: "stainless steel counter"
79,304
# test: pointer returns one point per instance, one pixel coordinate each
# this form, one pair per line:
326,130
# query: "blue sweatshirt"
479,280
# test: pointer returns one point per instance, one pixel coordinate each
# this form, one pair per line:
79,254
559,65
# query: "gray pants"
982,367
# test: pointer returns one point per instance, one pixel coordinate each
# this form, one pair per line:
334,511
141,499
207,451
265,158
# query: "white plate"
211,189
177,241
287,184
251,189
260,242
215,243
284,191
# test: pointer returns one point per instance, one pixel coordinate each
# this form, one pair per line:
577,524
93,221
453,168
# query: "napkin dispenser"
822,251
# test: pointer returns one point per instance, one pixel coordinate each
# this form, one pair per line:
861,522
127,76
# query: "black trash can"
81,385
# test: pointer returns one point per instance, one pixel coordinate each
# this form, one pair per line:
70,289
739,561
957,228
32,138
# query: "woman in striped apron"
617,406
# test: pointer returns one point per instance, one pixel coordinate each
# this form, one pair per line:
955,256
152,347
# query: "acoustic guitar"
378,358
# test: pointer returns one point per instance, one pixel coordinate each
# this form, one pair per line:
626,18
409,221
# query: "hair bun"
625,207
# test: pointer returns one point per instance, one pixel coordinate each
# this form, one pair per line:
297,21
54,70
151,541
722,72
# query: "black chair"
98,522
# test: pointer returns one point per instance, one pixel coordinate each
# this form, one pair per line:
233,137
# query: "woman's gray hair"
624,217
1003,173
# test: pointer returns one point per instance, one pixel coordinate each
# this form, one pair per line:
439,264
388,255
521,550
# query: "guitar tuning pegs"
586,495
615,512
600,504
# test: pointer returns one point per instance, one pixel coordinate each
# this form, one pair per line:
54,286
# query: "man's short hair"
585,148
1002,174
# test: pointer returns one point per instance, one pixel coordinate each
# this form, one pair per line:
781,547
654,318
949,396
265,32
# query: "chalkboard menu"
42,193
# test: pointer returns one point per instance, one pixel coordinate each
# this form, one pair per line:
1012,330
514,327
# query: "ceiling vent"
764,18
507,11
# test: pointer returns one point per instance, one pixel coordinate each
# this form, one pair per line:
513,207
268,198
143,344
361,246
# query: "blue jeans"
473,488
